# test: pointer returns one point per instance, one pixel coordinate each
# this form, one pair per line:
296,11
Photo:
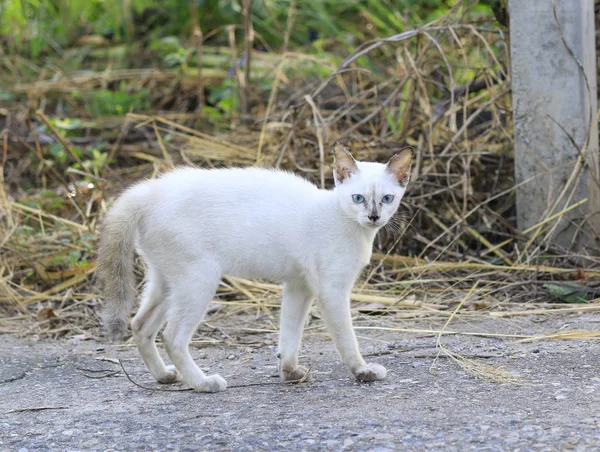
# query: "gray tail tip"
116,329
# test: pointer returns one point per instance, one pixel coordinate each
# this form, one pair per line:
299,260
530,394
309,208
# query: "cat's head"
370,192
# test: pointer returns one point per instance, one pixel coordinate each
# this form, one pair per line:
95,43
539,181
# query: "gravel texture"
66,395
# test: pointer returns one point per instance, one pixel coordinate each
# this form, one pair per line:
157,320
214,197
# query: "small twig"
147,387
107,372
248,40
246,385
305,377
108,360
83,173
472,356
37,408
4,152
199,38
110,374
438,342
234,62
163,148
319,125
385,352
545,311
93,370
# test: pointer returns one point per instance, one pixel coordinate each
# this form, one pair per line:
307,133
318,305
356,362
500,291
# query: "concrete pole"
551,100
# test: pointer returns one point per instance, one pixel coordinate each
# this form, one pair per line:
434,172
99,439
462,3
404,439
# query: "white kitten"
193,226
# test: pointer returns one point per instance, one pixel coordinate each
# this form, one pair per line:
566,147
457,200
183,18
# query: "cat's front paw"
171,375
212,383
294,375
371,372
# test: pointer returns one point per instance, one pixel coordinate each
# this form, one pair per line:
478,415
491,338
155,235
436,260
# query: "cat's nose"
373,218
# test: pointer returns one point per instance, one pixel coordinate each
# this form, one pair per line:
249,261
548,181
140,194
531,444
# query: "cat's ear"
399,165
344,163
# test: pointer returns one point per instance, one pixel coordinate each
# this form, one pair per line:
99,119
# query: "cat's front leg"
334,305
294,307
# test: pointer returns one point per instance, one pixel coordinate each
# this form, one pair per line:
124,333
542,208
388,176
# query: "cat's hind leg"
189,298
296,302
146,324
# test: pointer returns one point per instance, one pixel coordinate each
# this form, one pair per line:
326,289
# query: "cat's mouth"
373,224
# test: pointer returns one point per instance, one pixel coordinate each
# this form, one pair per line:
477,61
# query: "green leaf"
117,102
568,292
166,45
66,124
78,152
7,95
58,152
59,260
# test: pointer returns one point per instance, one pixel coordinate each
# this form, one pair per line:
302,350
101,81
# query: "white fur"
193,226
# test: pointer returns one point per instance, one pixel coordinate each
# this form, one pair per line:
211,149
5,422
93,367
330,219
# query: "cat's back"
253,222
241,182
238,216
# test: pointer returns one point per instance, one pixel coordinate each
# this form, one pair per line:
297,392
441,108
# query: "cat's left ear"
344,164
399,165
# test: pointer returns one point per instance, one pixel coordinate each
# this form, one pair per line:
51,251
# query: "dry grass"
443,89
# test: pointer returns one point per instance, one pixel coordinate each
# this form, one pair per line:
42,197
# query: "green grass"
40,27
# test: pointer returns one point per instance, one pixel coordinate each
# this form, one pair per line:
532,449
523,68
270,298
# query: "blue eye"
387,199
358,199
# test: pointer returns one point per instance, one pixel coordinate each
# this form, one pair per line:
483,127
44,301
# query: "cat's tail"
116,261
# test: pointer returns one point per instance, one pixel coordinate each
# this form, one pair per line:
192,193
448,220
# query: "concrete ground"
68,395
